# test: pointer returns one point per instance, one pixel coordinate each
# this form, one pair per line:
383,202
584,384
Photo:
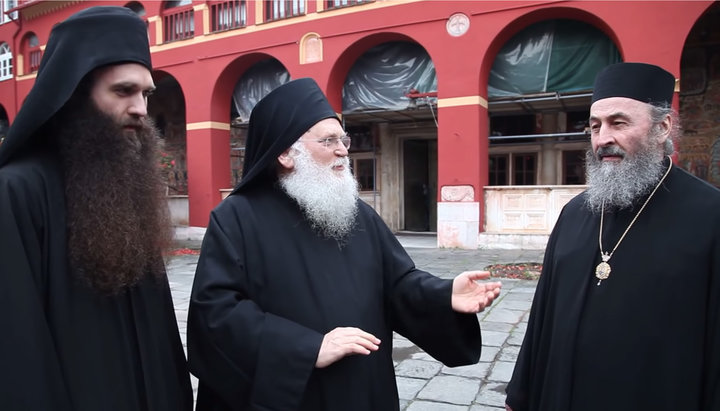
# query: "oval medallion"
602,271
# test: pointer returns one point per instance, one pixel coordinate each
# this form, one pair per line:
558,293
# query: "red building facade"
428,162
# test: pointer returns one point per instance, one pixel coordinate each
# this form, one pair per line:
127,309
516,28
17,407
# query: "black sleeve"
711,373
31,378
419,306
247,357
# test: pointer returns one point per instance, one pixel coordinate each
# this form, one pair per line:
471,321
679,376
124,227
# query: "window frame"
8,5
273,12
6,70
228,15
364,156
175,16
332,4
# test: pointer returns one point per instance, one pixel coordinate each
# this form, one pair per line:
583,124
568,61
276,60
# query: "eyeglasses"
332,142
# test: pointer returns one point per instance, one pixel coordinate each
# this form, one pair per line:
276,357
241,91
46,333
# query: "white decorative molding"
457,24
457,193
525,209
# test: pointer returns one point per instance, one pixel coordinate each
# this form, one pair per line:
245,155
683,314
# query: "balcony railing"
178,24
227,15
336,4
282,9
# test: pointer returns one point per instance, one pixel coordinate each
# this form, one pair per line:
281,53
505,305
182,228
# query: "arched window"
137,8
32,53
178,20
5,62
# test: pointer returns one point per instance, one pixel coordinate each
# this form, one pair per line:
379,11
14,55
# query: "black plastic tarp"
256,83
382,76
554,55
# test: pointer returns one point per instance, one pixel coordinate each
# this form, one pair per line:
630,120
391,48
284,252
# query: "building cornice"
31,9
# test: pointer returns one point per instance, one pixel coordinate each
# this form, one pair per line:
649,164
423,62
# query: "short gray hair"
657,115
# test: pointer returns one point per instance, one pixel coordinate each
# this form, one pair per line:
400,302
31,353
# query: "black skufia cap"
638,81
276,122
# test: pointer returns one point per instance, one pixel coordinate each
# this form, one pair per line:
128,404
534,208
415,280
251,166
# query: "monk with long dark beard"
87,316
116,212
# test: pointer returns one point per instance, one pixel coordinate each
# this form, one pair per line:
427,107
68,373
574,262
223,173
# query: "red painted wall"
207,67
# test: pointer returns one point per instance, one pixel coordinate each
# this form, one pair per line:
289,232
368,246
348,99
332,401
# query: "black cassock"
646,338
64,346
267,289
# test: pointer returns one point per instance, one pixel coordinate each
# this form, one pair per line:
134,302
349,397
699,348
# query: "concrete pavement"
423,383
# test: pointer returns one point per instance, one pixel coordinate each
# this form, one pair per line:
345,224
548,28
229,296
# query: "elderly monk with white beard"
300,284
626,315
86,314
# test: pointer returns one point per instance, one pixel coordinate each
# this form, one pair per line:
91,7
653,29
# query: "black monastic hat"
89,39
277,122
638,81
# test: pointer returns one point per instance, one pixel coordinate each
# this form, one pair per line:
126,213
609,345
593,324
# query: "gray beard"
328,201
619,185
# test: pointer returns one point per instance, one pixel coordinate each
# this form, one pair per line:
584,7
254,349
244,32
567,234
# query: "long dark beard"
117,217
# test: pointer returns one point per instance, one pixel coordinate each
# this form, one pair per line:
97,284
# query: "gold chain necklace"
602,271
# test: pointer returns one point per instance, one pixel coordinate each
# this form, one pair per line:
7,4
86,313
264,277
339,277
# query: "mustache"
138,123
610,151
344,161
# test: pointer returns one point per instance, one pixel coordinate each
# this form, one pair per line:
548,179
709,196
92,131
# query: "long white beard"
328,200
619,185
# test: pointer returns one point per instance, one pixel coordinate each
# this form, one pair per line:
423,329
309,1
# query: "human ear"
666,126
286,160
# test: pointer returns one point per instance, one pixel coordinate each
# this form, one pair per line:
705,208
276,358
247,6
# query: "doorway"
420,185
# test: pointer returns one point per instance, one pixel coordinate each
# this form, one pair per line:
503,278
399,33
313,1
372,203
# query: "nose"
138,106
603,137
340,149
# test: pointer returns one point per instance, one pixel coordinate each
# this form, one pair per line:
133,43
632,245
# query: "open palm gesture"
469,296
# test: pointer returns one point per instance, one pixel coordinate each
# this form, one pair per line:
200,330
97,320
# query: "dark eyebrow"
131,85
612,116
125,84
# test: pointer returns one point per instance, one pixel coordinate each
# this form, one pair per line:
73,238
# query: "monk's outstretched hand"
343,341
469,296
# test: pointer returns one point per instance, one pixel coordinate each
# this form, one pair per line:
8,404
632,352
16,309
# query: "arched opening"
137,8
166,106
539,92
31,52
699,148
4,124
389,105
259,80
